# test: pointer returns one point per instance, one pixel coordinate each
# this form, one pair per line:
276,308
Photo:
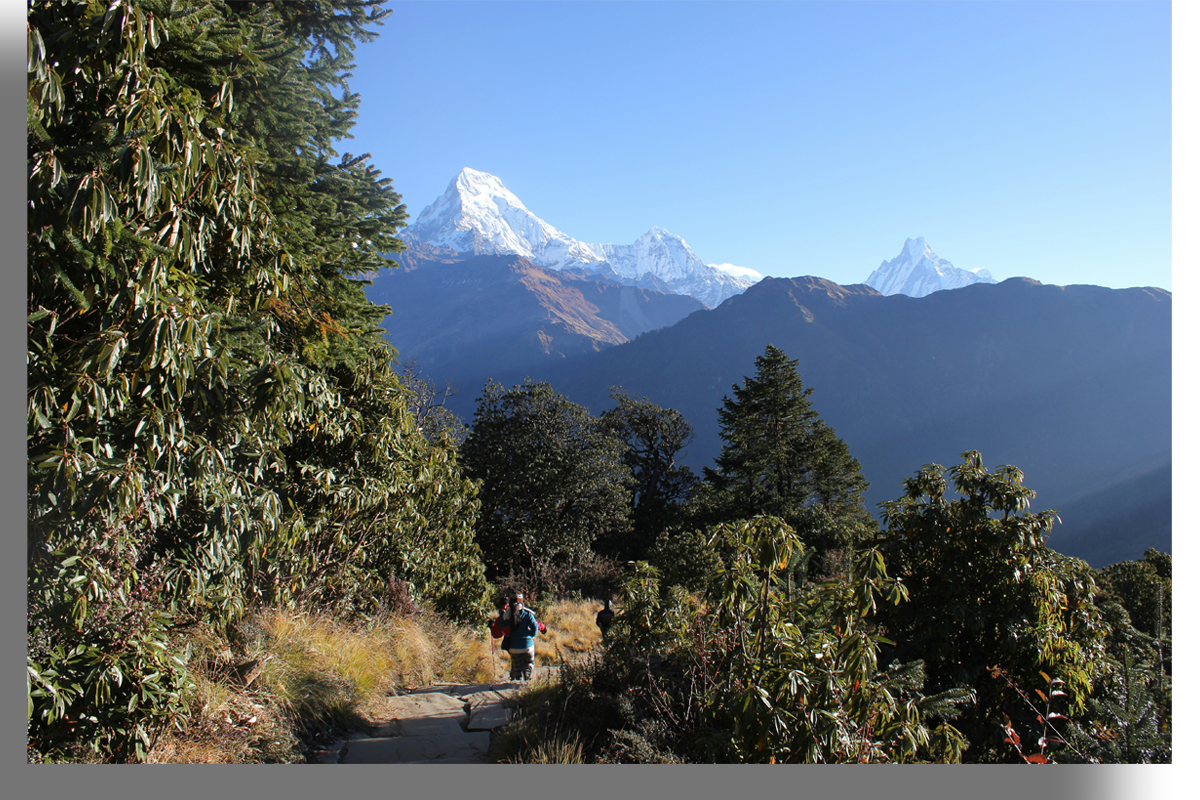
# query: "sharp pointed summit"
478,215
918,271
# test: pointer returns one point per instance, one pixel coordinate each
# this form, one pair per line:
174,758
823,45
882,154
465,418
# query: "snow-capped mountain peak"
918,271
477,214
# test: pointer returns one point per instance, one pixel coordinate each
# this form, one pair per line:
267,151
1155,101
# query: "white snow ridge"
739,272
478,215
918,271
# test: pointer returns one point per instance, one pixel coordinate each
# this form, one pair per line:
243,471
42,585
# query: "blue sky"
798,138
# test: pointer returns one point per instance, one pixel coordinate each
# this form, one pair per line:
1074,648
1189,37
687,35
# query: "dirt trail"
441,724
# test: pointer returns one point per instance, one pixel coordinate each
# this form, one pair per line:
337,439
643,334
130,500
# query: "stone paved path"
440,724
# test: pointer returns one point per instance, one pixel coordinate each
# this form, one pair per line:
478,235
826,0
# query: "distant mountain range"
1072,384
477,215
925,361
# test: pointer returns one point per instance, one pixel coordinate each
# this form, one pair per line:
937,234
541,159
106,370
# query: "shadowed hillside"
1071,384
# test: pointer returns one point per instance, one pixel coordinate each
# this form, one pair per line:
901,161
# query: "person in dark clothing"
604,617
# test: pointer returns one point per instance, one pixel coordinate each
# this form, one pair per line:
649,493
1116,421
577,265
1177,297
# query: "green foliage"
654,620
113,689
552,480
374,501
985,591
1128,715
1046,717
654,438
1143,587
438,423
757,671
802,683
1131,724
212,418
781,459
685,558
1127,718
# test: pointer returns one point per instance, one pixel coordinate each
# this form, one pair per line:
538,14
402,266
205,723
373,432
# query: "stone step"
329,754
456,748
486,711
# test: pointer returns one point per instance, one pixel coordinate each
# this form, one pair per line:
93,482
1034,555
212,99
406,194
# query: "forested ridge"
216,425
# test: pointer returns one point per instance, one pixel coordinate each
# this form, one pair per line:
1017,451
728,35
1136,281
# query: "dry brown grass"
556,749
570,629
428,651
320,674
316,674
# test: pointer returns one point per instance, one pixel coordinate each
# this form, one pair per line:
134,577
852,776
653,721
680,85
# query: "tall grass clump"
430,649
316,669
559,748
570,629
534,736
282,680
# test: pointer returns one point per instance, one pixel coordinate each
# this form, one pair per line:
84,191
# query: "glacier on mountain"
918,271
477,214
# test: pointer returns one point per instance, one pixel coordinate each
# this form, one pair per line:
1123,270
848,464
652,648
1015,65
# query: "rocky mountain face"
918,271
467,318
1072,384
477,215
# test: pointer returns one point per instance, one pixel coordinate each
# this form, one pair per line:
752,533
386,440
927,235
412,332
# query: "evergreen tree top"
780,457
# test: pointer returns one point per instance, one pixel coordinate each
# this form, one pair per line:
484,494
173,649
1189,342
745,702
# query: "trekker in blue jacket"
520,627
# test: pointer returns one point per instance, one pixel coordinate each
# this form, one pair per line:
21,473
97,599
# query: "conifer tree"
1127,719
781,459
